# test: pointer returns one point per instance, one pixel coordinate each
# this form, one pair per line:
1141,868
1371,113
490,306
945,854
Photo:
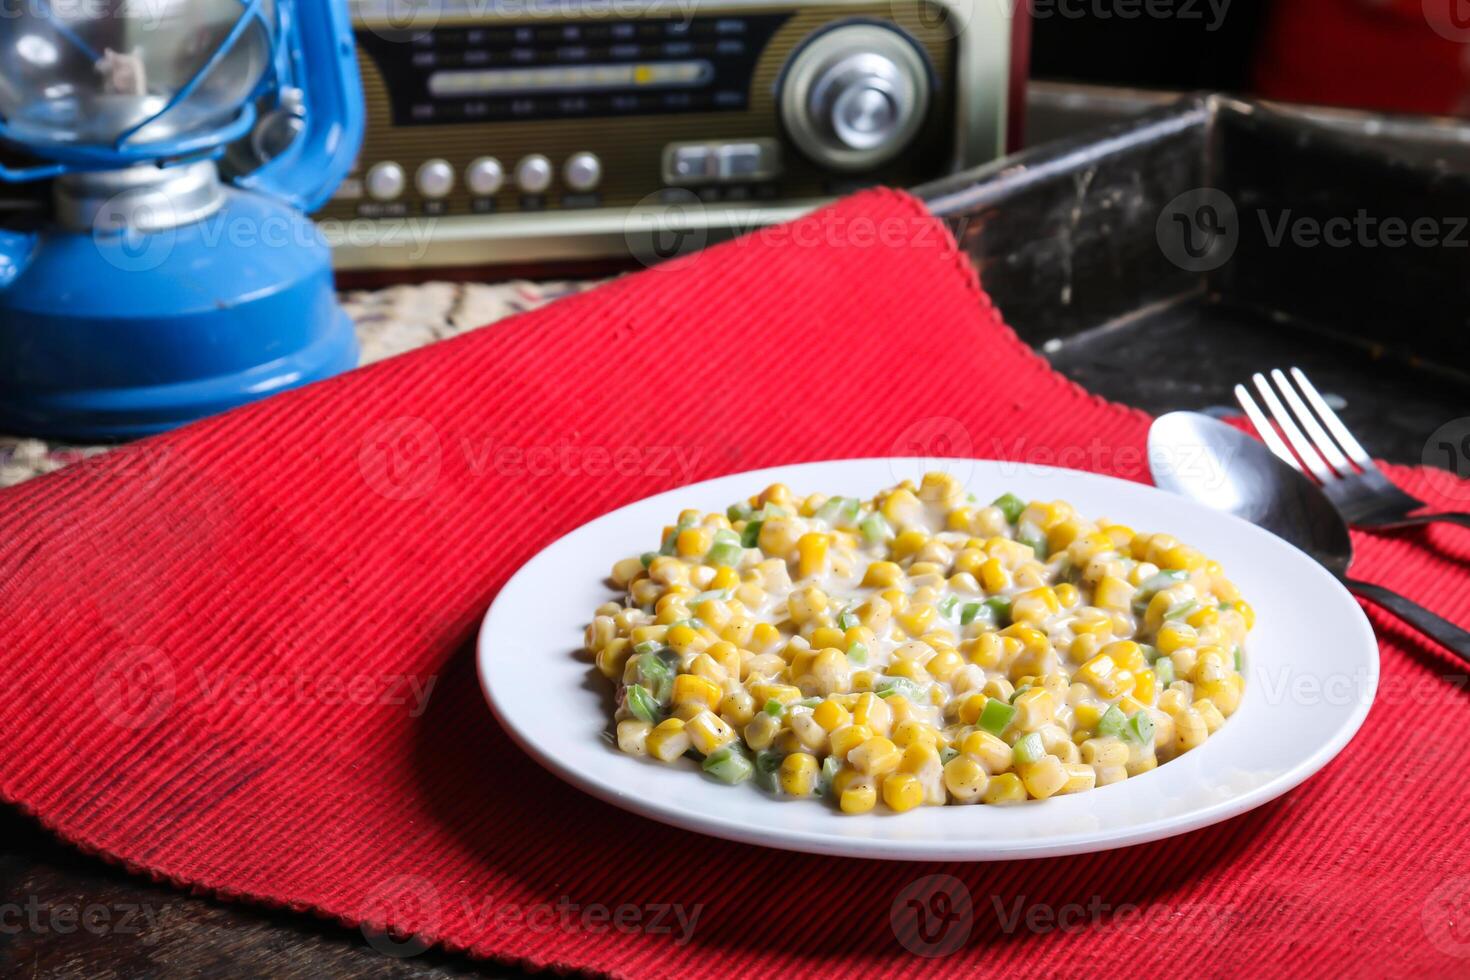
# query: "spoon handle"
1419,520
1430,624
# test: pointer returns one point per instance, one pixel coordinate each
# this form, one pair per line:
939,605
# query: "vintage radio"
516,132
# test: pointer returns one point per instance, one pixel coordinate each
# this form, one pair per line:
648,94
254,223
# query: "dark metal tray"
1162,260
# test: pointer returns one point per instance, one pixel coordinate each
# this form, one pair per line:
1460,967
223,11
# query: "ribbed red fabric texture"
236,657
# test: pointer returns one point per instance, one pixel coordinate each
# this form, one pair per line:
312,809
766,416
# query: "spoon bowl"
1202,458
1225,469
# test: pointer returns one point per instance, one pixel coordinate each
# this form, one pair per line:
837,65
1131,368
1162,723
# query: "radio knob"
533,174
855,96
485,176
435,178
582,171
384,181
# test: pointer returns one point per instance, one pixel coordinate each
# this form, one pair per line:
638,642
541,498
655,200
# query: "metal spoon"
1223,468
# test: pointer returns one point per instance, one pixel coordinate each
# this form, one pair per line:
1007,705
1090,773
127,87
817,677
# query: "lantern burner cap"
145,198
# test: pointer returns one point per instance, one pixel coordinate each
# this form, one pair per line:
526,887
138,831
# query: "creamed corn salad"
918,648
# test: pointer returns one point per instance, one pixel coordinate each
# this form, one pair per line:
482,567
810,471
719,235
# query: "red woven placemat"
237,657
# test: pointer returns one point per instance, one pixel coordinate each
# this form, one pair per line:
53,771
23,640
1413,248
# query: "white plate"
1311,672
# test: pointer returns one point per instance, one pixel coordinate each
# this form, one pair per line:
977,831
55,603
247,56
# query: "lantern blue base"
115,336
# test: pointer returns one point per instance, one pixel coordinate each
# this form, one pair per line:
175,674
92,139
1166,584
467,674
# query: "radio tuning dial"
853,97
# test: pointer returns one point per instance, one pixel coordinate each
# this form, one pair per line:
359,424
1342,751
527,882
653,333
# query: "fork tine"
1263,425
1299,442
1320,439
1334,424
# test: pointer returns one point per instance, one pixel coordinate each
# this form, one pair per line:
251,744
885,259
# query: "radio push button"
737,160
533,174
434,179
690,163
484,176
385,181
582,171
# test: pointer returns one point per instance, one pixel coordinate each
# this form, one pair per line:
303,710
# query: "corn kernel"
919,758
902,791
1104,751
873,712
811,549
1145,686
965,779
831,715
1080,778
1034,708
668,740
633,736
1004,788
993,576
991,752
707,732
875,757
761,731
1105,676
1043,778
1113,594
912,732
798,775
858,797
692,542
845,739
689,689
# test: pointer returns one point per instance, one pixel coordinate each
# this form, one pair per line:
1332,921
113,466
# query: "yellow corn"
798,776
689,689
668,740
902,791
1004,788
844,740
831,715
633,736
991,752
858,797
965,779
1113,594
811,549
1043,778
707,732
875,757
1105,676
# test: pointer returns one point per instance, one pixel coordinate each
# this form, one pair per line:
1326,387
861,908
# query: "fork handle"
1446,633
1418,520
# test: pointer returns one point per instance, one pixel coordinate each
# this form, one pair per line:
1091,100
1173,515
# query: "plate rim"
930,849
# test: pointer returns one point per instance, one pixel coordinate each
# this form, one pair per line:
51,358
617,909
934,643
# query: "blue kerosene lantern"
152,290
